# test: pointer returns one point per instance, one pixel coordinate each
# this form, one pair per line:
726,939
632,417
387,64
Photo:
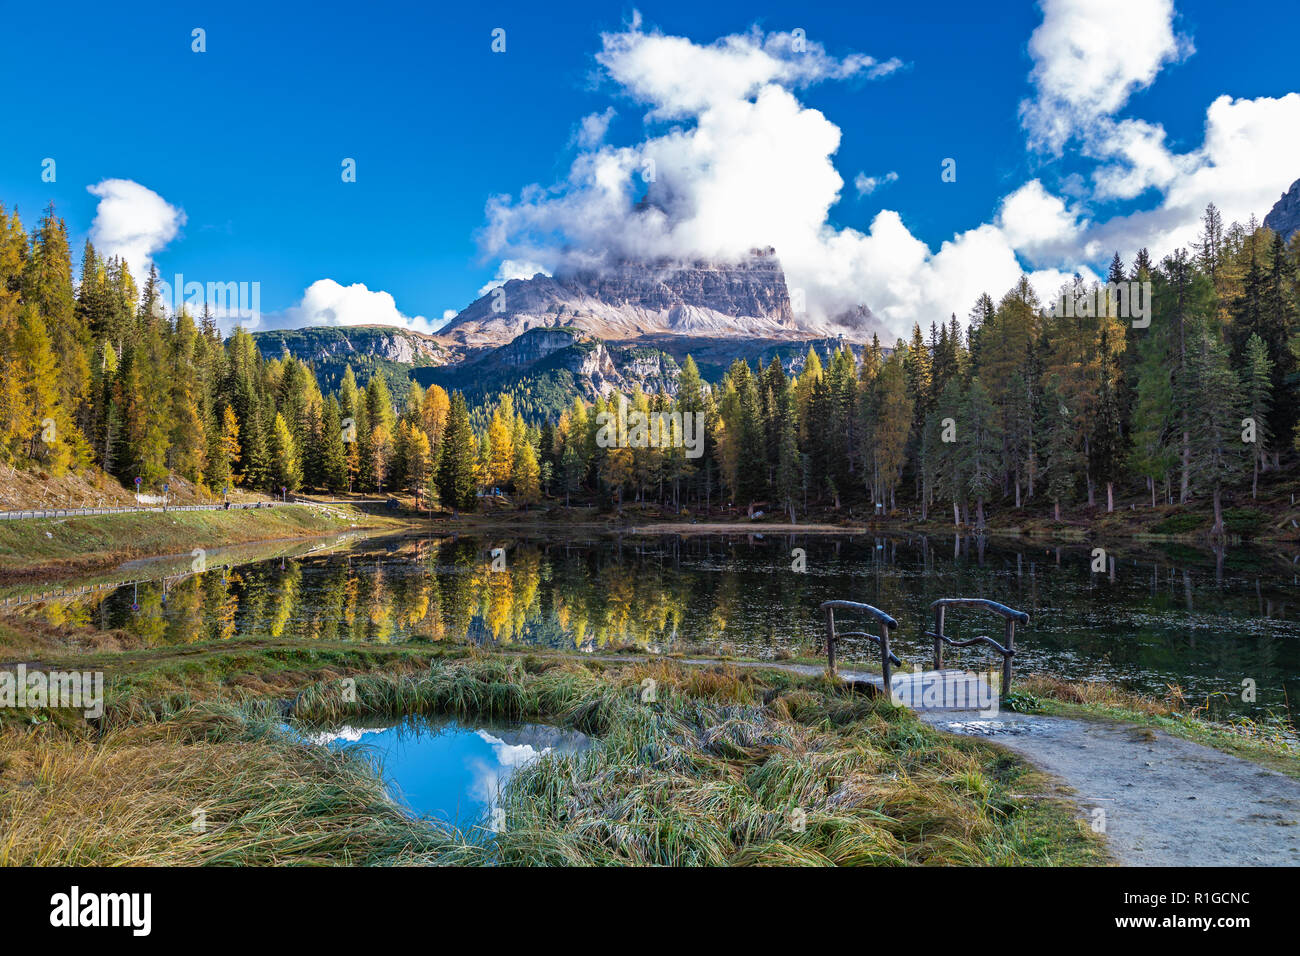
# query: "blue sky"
247,138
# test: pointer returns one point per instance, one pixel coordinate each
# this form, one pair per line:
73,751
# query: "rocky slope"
1284,217
545,368
388,350
631,300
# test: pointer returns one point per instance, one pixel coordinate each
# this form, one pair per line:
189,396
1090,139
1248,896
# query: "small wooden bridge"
935,689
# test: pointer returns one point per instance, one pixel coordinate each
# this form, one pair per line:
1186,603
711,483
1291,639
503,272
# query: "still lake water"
448,771
1165,615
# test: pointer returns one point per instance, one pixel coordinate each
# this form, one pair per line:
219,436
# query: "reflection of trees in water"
1171,612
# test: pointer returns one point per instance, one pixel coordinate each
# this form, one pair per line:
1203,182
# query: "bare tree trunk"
1185,478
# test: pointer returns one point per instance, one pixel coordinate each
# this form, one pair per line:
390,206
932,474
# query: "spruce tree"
1258,395
1214,411
456,465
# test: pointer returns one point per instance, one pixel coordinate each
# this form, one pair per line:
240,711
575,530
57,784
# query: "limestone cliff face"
327,344
597,368
535,345
632,299
1284,217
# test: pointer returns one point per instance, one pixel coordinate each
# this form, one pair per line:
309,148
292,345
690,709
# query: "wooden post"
884,663
1006,658
938,639
830,640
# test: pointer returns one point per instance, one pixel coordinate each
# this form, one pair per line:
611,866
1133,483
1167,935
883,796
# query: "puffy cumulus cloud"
679,78
1246,160
1089,57
733,160
326,302
1038,224
133,222
1085,69
866,185
743,164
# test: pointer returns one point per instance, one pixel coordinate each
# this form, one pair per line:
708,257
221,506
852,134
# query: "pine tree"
1061,454
893,407
1106,442
788,461
1258,395
456,467
286,465
981,446
334,459
229,449
527,474
1214,418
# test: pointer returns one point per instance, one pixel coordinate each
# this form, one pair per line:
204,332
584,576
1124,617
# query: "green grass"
728,766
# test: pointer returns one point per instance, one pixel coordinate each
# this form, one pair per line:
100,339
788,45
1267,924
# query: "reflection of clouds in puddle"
512,755
489,778
345,734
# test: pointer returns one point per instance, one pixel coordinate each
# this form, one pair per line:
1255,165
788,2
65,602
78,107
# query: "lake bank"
34,548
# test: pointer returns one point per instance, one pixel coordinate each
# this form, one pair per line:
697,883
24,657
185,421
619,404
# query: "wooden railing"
1007,648
886,623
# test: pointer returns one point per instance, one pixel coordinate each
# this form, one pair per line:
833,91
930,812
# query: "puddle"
449,771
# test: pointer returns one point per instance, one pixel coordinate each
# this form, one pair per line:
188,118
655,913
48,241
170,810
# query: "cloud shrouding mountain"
746,164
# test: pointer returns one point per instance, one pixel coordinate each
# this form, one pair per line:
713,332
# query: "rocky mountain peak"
631,299
1284,217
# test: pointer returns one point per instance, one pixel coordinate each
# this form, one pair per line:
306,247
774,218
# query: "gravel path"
1164,801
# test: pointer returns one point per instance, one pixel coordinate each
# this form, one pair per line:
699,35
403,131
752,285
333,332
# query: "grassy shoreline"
36,547
710,773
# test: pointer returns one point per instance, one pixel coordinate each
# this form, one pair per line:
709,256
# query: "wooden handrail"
994,606
886,623
1007,649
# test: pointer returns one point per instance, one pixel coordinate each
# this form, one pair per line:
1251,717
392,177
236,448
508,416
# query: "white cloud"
326,302
133,222
591,131
679,78
744,163
1038,225
1089,57
866,185
511,269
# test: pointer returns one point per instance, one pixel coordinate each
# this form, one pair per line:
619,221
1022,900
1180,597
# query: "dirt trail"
1166,801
